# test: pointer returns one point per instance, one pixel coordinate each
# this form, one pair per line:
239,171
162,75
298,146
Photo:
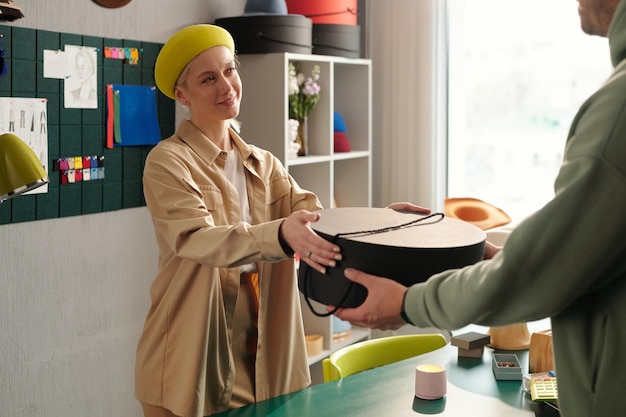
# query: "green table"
388,391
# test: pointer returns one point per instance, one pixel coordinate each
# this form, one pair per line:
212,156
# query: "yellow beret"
184,46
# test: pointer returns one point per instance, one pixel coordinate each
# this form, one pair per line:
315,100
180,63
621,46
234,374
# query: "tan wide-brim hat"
476,212
184,46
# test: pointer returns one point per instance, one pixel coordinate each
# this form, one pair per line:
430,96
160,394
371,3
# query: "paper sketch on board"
81,82
54,64
27,118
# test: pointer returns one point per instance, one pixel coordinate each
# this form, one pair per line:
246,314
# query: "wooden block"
471,340
471,353
540,353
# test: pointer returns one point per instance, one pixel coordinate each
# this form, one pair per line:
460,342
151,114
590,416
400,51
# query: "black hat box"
337,40
267,33
405,246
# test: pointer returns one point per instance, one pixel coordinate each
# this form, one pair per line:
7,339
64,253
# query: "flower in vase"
303,91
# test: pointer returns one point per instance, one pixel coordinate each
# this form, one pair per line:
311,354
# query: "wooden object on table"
541,353
511,337
471,344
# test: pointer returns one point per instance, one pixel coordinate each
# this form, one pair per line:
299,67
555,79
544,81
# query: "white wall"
73,296
144,20
74,290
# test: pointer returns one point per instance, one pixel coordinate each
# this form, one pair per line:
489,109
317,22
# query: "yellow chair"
378,352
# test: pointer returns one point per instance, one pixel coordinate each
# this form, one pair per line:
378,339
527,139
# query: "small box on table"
506,366
471,345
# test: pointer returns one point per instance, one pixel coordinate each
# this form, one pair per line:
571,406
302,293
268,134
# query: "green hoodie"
566,262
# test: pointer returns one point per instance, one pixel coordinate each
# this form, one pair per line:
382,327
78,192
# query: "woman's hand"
491,250
312,249
405,206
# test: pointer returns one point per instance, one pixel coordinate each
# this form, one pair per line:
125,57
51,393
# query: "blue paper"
138,121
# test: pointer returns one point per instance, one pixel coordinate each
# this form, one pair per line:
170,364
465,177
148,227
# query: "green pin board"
80,132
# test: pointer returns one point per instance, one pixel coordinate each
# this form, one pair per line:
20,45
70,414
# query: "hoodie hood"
617,35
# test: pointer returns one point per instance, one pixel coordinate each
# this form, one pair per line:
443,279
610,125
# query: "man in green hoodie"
566,262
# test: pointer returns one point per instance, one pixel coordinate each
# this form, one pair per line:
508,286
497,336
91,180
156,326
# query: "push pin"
470,345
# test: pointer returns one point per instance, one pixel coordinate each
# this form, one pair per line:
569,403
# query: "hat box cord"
418,222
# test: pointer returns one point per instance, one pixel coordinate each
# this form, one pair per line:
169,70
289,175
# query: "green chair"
373,353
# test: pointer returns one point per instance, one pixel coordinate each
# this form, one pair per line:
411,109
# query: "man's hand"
381,308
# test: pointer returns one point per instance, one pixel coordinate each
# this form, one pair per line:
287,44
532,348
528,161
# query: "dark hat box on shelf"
267,33
337,40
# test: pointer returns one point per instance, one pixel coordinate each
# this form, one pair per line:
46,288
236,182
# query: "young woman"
224,328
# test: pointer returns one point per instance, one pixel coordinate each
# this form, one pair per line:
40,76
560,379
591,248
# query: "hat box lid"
267,33
337,40
405,246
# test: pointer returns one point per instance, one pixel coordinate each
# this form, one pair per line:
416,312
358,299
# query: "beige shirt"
184,359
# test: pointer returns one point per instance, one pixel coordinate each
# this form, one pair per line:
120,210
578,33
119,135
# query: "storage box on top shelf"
267,33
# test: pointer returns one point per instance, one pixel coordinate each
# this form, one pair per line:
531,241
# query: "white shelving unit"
346,88
338,179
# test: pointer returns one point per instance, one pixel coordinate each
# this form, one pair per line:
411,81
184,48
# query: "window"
518,72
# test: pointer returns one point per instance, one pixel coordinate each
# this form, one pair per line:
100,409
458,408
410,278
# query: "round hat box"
341,12
337,40
404,246
267,33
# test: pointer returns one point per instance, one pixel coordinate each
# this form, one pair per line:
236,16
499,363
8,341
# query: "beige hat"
184,46
475,211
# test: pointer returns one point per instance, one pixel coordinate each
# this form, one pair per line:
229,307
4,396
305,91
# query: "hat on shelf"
184,46
341,142
266,6
339,125
476,212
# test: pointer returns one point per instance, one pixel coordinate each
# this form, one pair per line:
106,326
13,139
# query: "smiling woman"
228,219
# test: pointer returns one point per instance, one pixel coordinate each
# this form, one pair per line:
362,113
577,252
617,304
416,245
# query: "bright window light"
518,72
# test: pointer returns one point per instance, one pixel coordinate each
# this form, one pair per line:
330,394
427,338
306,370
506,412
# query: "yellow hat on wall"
475,211
184,46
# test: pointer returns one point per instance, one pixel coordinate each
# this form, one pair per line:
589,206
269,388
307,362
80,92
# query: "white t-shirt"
235,173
